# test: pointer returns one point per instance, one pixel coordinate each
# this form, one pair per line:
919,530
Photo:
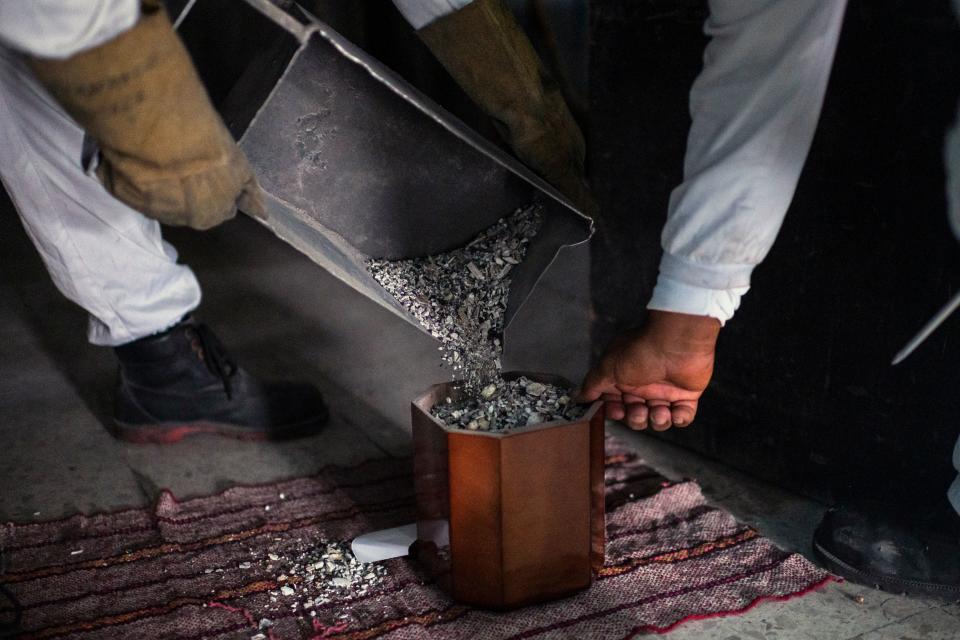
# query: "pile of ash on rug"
232,566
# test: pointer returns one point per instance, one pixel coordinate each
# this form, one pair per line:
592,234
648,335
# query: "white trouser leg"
103,255
755,107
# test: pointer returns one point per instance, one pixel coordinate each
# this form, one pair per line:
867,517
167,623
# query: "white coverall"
754,106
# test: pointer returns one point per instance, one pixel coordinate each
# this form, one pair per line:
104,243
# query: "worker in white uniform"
71,66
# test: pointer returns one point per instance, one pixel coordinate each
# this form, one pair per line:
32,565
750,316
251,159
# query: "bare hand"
655,375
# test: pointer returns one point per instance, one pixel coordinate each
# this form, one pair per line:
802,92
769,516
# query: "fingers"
615,410
597,383
637,415
592,386
613,406
663,415
683,413
659,415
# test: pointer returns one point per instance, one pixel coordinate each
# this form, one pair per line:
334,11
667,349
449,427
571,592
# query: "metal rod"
928,328
183,14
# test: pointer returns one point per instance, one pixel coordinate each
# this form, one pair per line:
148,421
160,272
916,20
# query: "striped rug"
201,568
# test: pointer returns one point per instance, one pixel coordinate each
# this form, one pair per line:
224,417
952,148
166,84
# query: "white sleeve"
679,297
61,28
755,108
420,13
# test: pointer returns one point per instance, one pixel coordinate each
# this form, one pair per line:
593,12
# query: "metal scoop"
355,162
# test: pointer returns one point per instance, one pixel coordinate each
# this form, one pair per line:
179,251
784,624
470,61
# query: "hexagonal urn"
524,507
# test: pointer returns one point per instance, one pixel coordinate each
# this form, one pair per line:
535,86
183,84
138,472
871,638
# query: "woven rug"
202,568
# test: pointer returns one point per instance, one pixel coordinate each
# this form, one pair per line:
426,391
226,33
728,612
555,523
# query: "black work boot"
916,552
182,381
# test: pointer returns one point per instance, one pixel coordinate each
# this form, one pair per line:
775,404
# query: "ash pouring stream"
460,298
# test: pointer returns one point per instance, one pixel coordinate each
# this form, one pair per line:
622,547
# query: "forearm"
754,111
683,332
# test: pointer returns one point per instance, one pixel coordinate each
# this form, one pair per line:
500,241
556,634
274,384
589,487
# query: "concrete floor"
283,317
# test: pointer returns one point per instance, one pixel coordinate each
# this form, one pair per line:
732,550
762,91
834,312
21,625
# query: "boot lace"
215,356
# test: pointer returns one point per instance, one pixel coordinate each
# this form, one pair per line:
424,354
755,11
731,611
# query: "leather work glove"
490,57
165,150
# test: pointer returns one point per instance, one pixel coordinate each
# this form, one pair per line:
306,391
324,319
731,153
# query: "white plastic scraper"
385,544
395,542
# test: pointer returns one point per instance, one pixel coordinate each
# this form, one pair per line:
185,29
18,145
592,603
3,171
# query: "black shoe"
917,554
181,381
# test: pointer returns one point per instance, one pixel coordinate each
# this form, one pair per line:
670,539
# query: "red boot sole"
171,433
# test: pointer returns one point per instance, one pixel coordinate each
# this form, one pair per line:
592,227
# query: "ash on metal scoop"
460,297
504,405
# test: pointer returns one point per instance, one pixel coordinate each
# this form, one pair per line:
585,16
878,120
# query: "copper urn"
525,507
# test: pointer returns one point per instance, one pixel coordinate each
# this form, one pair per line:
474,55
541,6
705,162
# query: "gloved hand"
655,376
165,150
490,57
